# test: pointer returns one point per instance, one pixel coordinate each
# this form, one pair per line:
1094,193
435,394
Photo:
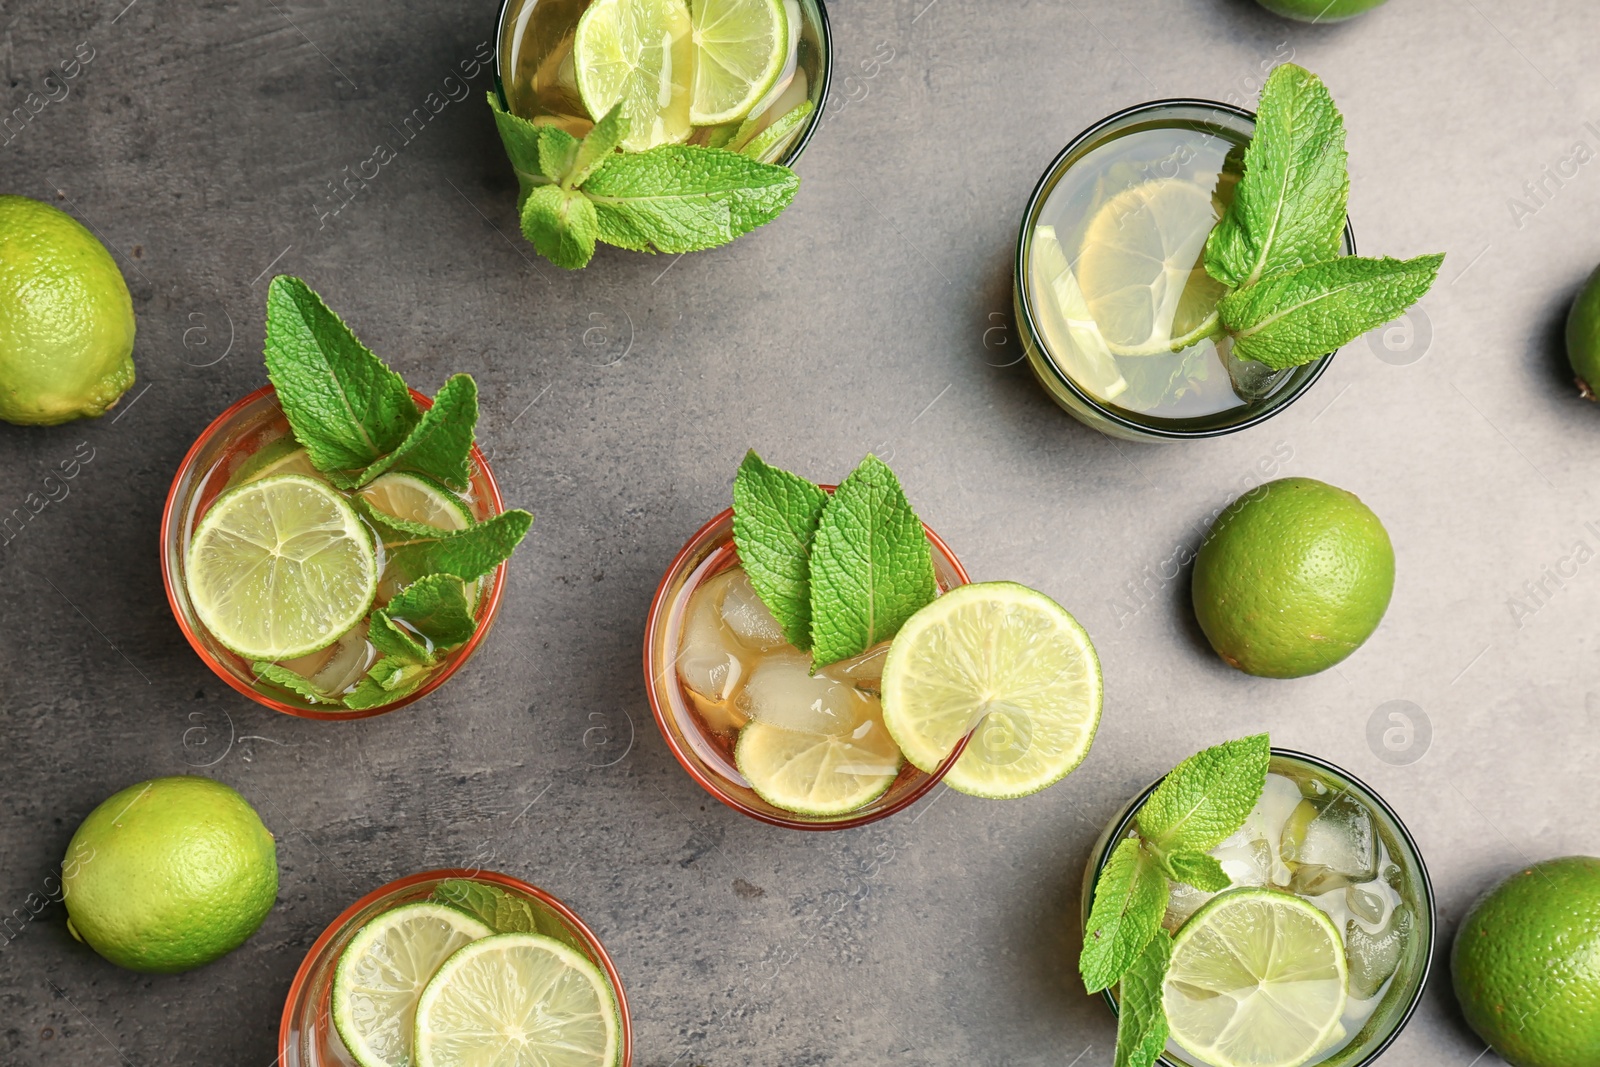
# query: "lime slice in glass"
1257,979
1009,665
740,47
517,1000
1067,323
815,745
1140,268
417,499
637,52
382,972
281,567
283,456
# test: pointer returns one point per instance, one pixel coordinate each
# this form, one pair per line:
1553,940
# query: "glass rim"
303,974
791,157
1120,827
1025,301
659,605
170,580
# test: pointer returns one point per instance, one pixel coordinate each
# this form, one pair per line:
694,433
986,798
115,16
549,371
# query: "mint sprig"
417,548
839,573
440,444
672,198
1292,298
1199,804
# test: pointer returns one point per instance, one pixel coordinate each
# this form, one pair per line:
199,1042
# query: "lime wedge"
1004,659
842,761
382,972
1067,323
283,456
740,48
417,499
517,1000
1140,268
280,567
1257,979
637,52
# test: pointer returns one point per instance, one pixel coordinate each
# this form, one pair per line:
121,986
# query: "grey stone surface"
199,141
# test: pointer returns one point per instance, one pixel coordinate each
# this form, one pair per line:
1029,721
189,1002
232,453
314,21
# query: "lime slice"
1140,268
280,567
1067,323
417,499
1004,659
517,1000
637,52
740,47
1257,979
283,456
817,773
382,972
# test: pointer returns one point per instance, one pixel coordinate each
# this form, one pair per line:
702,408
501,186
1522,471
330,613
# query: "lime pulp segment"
637,53
517,1000
281,567
1258,978
382,972
818,774
740,48
1007,664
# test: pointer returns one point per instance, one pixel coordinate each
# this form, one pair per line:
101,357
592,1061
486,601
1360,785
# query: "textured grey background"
199,142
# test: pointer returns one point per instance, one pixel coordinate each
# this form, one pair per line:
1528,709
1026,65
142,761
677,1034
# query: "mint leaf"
1294,318
494,907
440,444
295,683
598,148
471,553
1198,869
757,145
684,198
562,225
342,402
1141,1019
435,607
392,641
558,152
1130,897
1208,796
521,140
871,565
1289,208
775,518
389,680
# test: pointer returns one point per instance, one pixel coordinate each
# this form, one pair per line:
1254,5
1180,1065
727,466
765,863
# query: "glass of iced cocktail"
1313,945
1186,268
421,970
333,571
836,705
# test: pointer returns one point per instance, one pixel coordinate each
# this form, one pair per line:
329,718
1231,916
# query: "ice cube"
710,661
1368,904
782,691
336,668
1183,902
1338,843
744,613
1279,797
1246,862
1373,958
865,671
1252,381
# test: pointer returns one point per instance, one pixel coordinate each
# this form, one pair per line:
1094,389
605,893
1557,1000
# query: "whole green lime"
1526,965
1583,337
169,874
66,319
1319,10
1292,578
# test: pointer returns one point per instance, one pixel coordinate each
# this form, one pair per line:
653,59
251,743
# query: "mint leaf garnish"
685,198
392,640
520,139
500,911
295,683
558,151
1141,1019
435,607
757,145
775,519
871,565
440,444
1292,318
562,225
599,147
342,402
1198,869
1289,208
1130,897
389,680
1207,797
471,553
